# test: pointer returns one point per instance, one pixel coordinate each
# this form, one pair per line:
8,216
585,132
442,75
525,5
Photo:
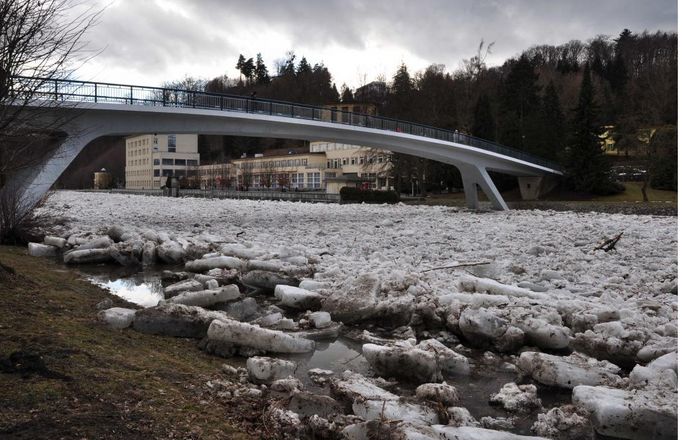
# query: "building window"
345,161
167,161
167,173
156,161
156,173
313,180
352,161
181,162
172,143
192,162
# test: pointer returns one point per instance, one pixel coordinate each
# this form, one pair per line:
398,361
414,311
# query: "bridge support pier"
29,187
532,187
475,177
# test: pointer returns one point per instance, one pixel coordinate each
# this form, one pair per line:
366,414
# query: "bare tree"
473,67
40,40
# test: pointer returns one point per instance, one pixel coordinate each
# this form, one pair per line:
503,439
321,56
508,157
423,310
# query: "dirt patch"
66,375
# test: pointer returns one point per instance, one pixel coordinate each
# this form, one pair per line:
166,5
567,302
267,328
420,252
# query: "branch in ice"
610,244
453,266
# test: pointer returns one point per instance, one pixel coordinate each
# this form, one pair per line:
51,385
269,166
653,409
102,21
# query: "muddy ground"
64,375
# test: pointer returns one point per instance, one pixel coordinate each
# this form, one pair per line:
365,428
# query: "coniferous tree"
400,98
484,122
346,94
585,161
520,102
554,124
240,64
248,69
261,71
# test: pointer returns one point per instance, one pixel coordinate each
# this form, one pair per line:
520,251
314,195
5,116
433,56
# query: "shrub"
609,188
357,195
664,175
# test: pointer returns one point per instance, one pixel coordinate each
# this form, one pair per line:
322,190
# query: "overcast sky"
151,41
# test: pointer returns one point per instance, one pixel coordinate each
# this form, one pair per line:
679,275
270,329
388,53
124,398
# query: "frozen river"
505,282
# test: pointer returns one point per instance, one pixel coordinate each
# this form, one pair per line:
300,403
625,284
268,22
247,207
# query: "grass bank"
628,202
65,375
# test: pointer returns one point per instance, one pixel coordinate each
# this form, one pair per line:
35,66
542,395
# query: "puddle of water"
143,294
138,287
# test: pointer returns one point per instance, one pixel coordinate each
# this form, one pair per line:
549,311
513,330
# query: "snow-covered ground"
542,284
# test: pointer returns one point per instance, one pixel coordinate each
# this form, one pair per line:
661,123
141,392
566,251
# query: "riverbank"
66,375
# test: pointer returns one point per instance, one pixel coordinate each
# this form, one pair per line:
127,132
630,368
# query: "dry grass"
75,378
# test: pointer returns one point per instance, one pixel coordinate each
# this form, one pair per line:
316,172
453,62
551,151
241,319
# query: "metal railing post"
95,92
56,90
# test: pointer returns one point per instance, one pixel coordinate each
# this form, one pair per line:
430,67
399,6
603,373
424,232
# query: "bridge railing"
87,91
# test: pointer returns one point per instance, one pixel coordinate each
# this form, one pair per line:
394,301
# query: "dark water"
488,375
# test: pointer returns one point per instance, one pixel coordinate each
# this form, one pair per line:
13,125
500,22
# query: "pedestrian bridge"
89,110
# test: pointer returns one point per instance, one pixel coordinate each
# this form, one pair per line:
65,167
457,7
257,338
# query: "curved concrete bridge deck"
94,110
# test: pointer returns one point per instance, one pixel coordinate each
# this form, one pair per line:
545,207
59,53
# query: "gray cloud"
154,36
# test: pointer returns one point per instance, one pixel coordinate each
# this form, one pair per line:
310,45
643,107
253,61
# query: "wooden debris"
610,244
453,266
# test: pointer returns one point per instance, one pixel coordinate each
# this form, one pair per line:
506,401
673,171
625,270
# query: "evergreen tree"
248,69
240,64
484,122
435,102
287,68
554,124
520,105
400,99
303,68
346,94
261,71
585,162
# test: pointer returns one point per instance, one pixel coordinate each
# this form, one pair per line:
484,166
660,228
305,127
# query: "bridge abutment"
29,187
532,187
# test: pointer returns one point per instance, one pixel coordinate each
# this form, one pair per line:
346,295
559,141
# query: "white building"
151,158
348,163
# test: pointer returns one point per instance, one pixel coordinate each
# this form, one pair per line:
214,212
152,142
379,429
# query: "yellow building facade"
328,166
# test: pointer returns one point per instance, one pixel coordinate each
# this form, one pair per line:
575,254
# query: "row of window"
138,152
338,163
273,164
174,173
139,143
321,147
138,183
216,171
138,172
135,162
294,180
